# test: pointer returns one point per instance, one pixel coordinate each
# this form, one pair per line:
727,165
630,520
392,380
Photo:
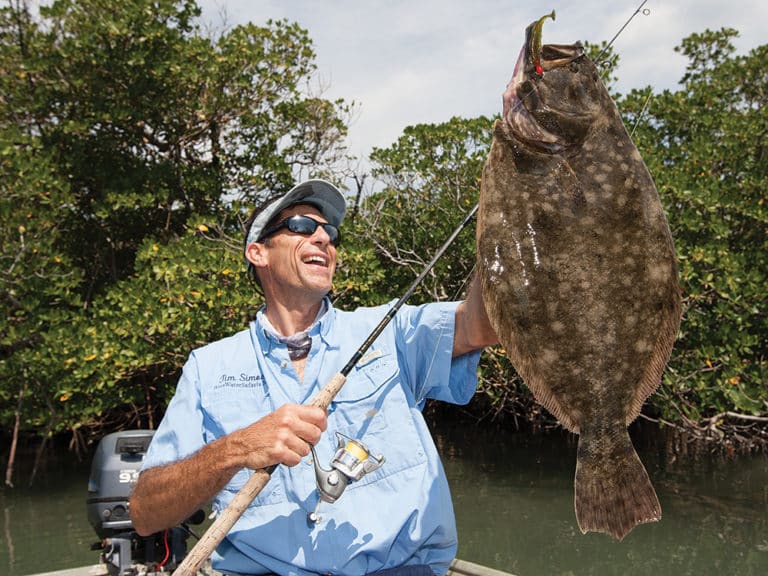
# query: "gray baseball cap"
319,193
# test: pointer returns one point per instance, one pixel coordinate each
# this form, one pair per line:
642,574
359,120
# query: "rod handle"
216,532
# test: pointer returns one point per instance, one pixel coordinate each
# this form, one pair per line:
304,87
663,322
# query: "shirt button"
283,364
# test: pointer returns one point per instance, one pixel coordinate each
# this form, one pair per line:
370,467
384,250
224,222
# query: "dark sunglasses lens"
333,233
307,226
301,225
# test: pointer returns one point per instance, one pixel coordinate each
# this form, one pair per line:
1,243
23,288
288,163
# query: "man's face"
295,264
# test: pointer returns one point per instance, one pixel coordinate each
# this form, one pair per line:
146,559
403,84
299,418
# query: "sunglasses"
303,225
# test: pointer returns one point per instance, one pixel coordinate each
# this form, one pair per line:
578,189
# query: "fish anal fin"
567,417
651,377
613,492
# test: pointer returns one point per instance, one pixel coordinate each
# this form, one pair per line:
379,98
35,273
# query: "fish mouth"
532,64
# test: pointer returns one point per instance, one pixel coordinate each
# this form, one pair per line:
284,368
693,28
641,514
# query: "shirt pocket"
375,409
233,409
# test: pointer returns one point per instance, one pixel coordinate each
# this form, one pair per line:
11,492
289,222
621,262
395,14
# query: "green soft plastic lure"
535,41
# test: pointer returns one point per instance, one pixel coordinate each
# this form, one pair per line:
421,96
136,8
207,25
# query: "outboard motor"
114,472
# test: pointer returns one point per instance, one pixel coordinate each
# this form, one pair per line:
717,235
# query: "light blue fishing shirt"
398,514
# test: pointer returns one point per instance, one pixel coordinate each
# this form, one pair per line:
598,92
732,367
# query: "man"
241,402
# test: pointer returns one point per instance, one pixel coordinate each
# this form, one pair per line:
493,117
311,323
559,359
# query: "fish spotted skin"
579,274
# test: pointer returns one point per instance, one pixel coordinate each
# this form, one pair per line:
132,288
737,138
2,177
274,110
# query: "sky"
407,62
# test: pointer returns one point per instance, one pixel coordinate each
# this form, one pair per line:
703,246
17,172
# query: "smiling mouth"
316,260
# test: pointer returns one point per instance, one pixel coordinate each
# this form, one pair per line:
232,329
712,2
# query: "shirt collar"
269,337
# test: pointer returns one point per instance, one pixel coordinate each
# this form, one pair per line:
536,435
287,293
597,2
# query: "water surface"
513,497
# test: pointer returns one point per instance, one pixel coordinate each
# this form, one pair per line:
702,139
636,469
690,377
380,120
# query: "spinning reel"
351,462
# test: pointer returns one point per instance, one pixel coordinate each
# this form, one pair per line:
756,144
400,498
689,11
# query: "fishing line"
635,13
464,282
641,114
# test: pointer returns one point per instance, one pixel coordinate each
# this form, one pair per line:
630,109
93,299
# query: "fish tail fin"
613,492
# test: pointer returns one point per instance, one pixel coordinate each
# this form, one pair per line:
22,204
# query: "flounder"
578,271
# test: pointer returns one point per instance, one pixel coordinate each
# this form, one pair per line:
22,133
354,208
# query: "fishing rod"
635,13
224,522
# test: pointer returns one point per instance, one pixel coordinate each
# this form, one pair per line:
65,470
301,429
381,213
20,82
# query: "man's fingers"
285,435
299,427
